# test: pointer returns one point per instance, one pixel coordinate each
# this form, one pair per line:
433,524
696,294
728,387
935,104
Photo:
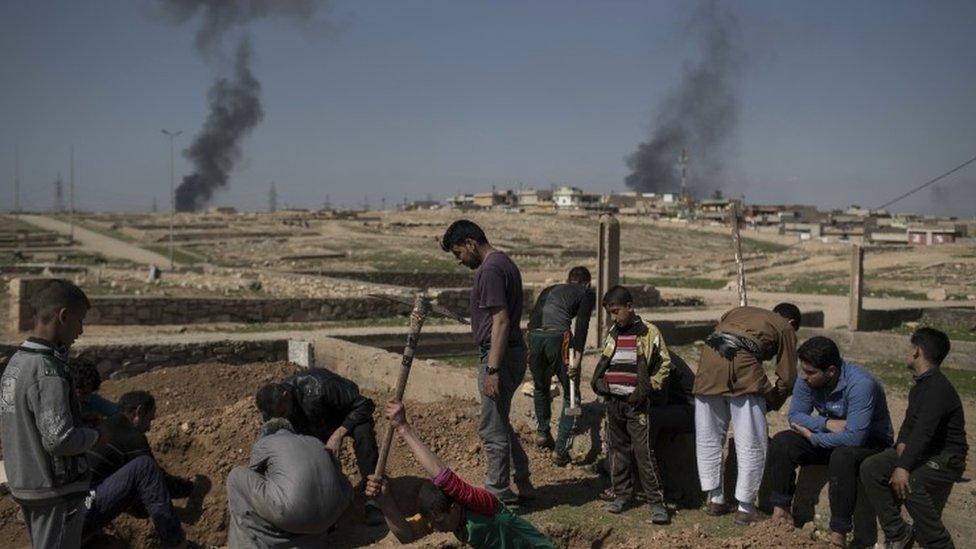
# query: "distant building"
463,201
421,205
223,210
531,198
568,197
716,209
930,235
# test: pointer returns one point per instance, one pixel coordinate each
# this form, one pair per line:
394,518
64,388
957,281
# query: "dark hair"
133,400
790,312
820,352
579,275
459,232
432,500
57,294
84,375
618,295
275,400
933,344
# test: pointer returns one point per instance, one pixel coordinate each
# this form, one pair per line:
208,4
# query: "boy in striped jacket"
631,376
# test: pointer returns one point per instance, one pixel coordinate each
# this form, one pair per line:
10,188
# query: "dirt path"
96,242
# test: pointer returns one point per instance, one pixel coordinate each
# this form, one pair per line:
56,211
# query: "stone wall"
124,360
116,310
457,299
400,278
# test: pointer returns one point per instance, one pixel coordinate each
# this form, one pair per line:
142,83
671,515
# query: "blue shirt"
857,397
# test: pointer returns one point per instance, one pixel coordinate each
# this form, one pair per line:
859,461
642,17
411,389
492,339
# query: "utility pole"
272,198
71,197
172,191
16,178
58,194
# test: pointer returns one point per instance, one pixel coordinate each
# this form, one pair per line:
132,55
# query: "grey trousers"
506,457
55,523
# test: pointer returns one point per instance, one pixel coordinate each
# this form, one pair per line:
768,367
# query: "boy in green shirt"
449,504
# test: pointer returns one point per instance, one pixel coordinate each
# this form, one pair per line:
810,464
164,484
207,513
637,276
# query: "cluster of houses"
855,224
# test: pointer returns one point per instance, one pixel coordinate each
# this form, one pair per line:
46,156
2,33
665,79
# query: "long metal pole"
737,247
71,197
172,199
16,178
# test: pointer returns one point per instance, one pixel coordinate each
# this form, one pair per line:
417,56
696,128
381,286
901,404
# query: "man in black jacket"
928,457
550,342
329,407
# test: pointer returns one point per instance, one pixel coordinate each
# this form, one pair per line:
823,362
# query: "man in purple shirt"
496,309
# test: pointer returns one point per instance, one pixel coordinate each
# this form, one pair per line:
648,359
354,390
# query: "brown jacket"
744,374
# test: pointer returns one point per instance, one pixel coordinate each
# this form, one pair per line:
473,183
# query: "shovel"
574,407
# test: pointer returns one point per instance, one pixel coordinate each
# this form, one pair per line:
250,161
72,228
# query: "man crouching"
292,490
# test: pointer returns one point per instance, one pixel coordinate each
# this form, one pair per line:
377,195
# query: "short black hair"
618,295
820,352
55,295
933,343
275,400
460,231
84,375
579,275
133,400
790,312
432,500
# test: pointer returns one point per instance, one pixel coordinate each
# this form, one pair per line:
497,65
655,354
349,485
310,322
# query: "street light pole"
172,191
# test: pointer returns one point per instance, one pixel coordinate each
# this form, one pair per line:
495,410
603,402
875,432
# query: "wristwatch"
490,370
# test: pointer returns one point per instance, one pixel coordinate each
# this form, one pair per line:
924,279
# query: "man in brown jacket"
731,386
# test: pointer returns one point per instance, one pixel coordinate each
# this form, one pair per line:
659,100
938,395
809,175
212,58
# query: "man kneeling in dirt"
449,504
328,407
124,440
292,491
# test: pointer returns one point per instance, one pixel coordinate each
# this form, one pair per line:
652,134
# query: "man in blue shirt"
851,424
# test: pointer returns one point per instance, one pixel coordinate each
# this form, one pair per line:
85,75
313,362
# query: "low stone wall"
124,360
114,310
400,278
874,320
457,299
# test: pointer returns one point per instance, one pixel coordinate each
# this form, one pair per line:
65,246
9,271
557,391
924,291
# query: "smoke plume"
235,103
700,115
235,109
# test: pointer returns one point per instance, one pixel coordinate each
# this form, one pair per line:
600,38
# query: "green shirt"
504,530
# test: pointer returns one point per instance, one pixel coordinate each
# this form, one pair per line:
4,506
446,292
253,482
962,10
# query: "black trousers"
630,451
789,450
930,485
139,481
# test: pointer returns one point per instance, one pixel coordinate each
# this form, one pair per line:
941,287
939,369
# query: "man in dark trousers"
124,439
851,424
550,342
496,309
45,442
929,455
330,407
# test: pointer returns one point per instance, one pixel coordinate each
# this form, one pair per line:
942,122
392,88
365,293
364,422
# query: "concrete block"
301,353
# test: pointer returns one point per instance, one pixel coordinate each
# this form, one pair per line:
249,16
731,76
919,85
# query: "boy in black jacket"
929,455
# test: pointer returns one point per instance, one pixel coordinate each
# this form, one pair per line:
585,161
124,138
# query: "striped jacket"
635,364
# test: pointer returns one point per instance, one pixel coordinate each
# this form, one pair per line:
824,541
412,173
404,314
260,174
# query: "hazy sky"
840,102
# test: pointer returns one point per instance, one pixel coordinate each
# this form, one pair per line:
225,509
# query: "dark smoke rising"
235,109
700,115
235,104
220,16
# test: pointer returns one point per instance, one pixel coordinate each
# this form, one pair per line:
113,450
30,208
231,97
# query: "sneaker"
374,516
560,458
659,514
608,495
524,490
743,518
713,509
904,543
617,505
544,440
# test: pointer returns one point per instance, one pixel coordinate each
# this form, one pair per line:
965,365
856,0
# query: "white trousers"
747,414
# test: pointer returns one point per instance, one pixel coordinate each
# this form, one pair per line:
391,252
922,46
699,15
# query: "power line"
927,183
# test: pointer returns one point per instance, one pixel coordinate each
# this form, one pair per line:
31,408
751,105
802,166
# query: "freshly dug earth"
206,423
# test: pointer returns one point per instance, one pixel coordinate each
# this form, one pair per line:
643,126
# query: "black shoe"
544,441
659,514
560,458
617,505
906,542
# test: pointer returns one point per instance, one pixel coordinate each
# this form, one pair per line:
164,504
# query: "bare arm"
395,412
378,489
499,336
